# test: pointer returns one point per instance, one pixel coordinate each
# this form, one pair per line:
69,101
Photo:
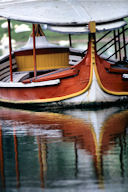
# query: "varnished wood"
34,52
111,81
66,87
42,51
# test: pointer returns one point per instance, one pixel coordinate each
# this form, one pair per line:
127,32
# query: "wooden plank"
7,78
41,51
20,76
7,69
6,64
75,58
73,62
6,72
17,76
5,75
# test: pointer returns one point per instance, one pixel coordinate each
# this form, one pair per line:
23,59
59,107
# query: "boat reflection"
42,149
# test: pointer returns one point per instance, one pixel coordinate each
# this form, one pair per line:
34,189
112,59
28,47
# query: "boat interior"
54,59
48,60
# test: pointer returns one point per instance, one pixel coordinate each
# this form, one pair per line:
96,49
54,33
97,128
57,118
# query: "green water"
74,150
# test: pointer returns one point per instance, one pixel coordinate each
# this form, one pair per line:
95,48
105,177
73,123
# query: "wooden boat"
43,74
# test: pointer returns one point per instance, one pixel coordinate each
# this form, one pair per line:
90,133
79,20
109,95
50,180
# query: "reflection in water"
51,152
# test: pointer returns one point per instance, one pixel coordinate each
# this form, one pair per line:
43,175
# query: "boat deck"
75,56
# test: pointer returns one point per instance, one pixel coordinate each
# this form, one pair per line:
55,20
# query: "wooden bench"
119,67
5,66
17,77
75,56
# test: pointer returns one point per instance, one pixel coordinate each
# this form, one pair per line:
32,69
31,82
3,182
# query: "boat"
43,73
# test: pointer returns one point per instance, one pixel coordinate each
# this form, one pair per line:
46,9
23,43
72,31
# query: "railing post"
34,51
10,51
115,43
70,40
125,53
119,44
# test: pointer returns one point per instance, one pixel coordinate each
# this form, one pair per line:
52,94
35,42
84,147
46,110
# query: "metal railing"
116,41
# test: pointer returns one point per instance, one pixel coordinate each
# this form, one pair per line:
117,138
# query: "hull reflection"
39,149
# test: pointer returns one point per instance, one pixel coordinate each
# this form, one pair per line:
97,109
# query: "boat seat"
5,67
74,59
125,77
17,77
75,56
57,74
119,67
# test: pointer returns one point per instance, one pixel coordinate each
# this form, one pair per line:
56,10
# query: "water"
69,151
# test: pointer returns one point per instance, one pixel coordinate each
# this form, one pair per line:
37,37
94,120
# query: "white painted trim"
33,84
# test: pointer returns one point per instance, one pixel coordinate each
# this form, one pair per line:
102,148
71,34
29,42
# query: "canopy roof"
64,12
84,29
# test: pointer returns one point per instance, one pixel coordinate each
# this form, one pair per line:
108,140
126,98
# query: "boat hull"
54,94
84,83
